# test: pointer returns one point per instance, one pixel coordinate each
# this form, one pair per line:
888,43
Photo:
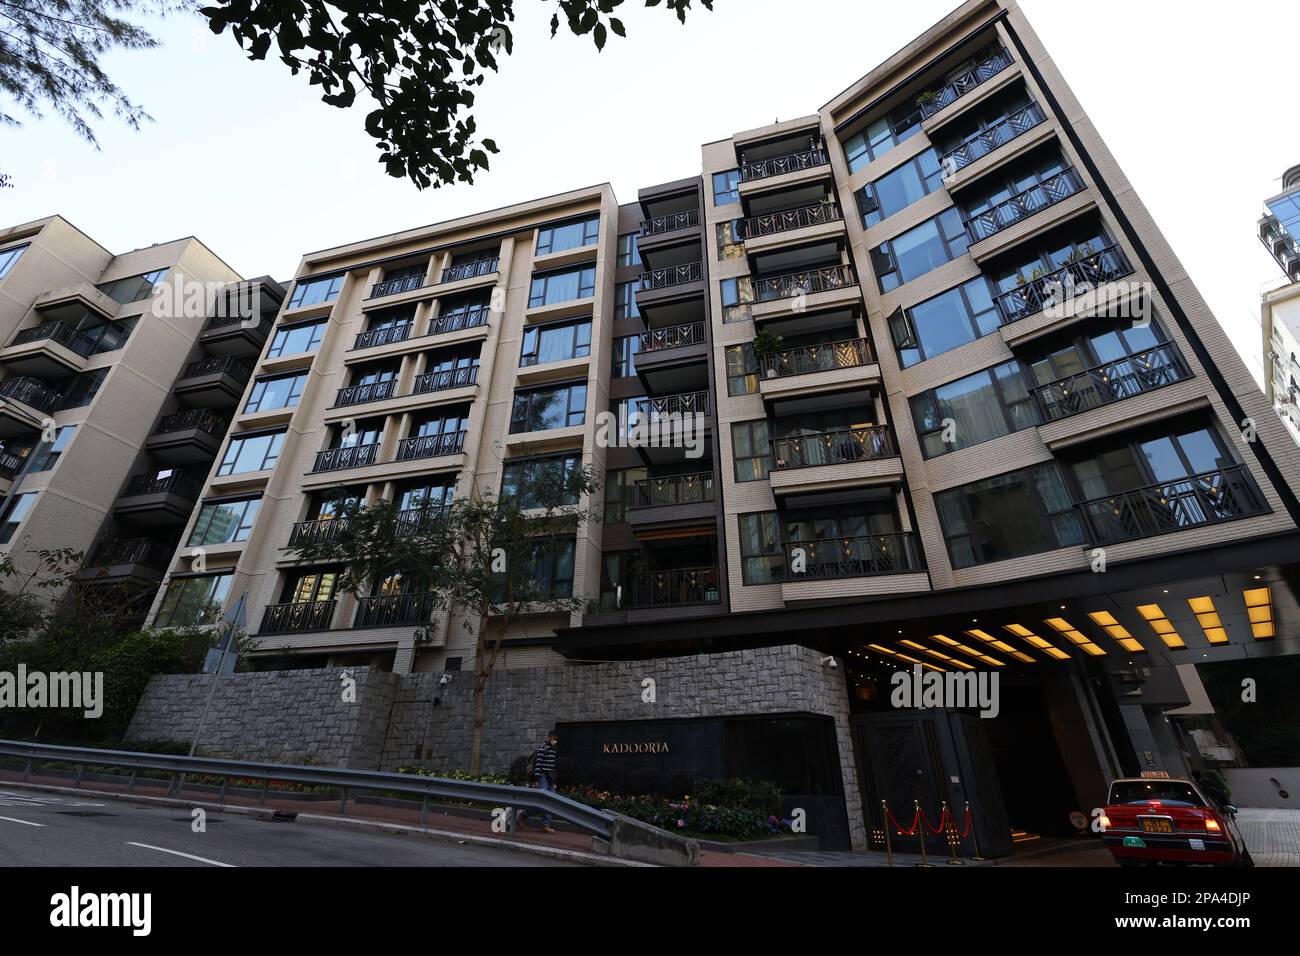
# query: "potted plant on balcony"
927,99
766,343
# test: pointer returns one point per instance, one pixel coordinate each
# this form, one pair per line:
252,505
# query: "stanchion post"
974,835
889,847
920,829
950,834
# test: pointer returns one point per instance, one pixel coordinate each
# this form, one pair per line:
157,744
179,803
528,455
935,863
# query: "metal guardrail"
345,779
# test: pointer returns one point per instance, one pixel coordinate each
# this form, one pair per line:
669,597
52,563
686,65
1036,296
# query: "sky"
1190,96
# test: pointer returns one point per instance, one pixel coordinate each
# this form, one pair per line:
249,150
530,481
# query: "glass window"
281,392
625,301
316,291
742,369
295,339
20,506
568,235
1010,516
521,478
762,555
311,587
8,257
628,253
737,296
882,136
562,286
251,453
555,343
973,410
920,250
47,454
620,493
224,522
81,389
946,322
106,335
432,494
626,349
896,190
542,409
194,601
726,187
550,569
133,288
751,449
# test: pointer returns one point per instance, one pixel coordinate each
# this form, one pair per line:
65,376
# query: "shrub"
741,794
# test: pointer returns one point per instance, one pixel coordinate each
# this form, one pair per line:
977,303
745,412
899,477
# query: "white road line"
187,856
24,822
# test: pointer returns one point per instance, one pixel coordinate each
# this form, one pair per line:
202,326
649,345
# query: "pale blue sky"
1190,96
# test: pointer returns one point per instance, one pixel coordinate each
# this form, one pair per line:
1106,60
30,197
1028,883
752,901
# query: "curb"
393,829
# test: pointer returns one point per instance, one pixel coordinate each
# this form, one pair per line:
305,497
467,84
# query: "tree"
419,60
27,596
491,558
50,52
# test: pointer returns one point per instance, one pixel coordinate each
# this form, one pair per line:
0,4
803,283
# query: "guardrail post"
266,787
221,796
27,771
424,811
130,784
343,801
81,770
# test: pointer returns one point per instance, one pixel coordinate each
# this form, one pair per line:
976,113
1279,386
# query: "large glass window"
47,454
566,286
920,250
620,489
311,587
948,321
726,187
628,253
882,136
80,390
224,522
737,298
742,370
896,190
556,406
550,569
281,392
8,257
1010,516
132,288
762,556
194,601
522,478
973,410
625,301
626,349
295,339
751,449
105,335
316,291
248,453
560,236
555,343
20,506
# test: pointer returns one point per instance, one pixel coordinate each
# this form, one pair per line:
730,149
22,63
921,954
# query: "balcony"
415,521
1208,499
445,380
688,403
395,286
299,618
1110,383
980,144
1021,206
841,558
159,499
187,438
10,465
833,448
217,380
431,446
686,587
135,559
239,335
783,165
810,282
386,335
24,404
812,359
49,349
319,531
674,222
673,337
349,456
460,321
1056,288
470,270
673,491
972,79
362,394
672,276
788,220
393,610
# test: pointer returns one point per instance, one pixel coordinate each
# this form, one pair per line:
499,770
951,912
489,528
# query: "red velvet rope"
911,831
946,820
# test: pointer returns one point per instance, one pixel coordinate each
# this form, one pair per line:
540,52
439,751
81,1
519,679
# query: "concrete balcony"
212,382
187,438
49,350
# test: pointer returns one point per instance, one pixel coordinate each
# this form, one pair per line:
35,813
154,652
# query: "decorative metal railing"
673,490
818,214
1024,204
415,521
393,286
687,403
350,456
143,551
459,321
853,353
60,333
987,140
673,337
977,75
1111,382
470,270
781,165
383,336
673,275
196,418
430,446
1056,288
178,482
218,364
862,557
391,610
441,381
298,618
30,392
823,279
1194,502
10,465
833,448
369,392
681,588
319,531
262,325
670,223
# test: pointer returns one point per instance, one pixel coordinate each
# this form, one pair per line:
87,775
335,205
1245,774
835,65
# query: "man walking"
544,773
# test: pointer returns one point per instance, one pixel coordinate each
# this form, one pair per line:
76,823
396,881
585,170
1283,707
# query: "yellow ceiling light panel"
1163,627
1107,622
1208,617
1037,642
1073,634
989,639
1259,608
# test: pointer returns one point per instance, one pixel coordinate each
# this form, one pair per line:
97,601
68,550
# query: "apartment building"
962,409
103,357
1281,307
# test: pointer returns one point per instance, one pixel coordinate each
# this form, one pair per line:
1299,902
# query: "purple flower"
681,823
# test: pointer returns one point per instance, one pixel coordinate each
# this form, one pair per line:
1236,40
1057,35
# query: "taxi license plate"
1153,825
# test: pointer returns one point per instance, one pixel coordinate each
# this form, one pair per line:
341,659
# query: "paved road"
40,829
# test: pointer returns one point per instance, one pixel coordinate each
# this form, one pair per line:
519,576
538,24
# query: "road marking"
24,822
187,856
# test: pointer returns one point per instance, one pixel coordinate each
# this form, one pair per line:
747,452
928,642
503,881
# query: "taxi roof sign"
1155,775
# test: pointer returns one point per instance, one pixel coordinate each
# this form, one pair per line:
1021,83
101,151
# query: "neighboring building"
1278,230
993,428
93,343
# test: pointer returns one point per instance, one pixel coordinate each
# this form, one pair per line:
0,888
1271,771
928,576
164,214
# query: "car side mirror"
1230,810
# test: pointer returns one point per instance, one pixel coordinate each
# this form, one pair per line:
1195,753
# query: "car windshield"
1165,791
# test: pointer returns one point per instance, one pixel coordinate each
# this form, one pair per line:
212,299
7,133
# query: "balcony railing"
687,403
863,557
430,446
682,588
444,379
235,318
670,223
818,214
1195,502
30,392
673,490
10,465
987,140
218,364
415,521
673,337
1112,382
853,353
977,75
823,279
781,165
361,394
1056,288
833,448
298,618
386,335
196,418
673,275
394,286
319,531
1024,204
391,610
143,551
470,270
60,333
459,321
350,456
178,482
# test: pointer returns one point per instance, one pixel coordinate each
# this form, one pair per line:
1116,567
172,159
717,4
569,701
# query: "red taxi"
1158,819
